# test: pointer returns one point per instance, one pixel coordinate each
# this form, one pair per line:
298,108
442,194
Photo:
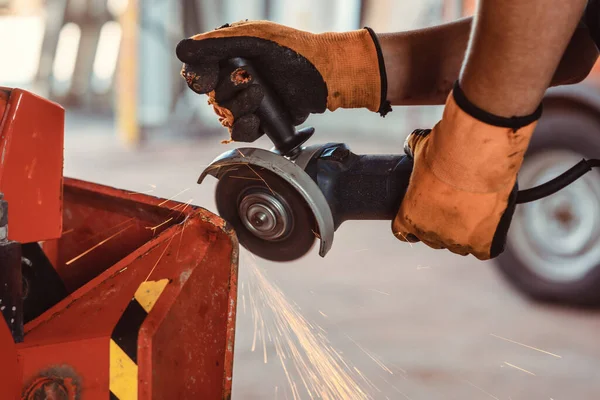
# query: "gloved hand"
308,72
462,190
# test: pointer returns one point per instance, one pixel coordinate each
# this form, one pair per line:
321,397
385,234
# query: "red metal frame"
185,344
118,250
31,164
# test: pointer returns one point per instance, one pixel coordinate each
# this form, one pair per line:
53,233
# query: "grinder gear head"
270,218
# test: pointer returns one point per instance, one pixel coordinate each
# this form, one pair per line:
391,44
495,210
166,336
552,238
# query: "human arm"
422,65
462,191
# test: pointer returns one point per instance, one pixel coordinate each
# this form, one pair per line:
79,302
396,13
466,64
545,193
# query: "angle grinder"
280,201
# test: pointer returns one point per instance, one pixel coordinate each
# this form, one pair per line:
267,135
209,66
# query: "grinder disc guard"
270,218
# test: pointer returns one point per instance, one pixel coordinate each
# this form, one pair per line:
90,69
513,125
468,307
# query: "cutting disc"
270,218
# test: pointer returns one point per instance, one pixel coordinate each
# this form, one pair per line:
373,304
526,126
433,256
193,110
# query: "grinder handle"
275,121
360,187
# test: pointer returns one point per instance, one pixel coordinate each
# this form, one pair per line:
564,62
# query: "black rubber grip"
274,119
360,187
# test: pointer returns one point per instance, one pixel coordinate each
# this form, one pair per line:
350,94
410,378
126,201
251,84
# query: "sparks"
379,291
105,231
403,394
524,345
245,177
145,192
154,228
404,237
481,390
177,207
171,198
299,345
261,178
519,368
372,356
181,238
322,313
68,231
360,250
96,246
159,258
184,205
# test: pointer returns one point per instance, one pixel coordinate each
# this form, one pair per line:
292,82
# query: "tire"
571,279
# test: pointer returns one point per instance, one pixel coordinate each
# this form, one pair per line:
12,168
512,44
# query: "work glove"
309,73
463,188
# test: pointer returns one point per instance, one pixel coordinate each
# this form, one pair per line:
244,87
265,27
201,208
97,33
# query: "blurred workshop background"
418,324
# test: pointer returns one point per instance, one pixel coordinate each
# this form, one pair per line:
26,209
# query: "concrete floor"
429,317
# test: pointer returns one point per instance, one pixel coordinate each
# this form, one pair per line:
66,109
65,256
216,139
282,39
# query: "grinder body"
279,201
359,187
292,195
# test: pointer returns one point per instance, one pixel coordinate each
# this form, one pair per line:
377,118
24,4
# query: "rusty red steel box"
151,305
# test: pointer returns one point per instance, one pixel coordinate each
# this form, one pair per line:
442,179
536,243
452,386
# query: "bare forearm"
515,50
422,65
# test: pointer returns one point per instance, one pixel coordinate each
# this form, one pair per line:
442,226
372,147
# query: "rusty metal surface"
31,165
54,383
9,374
192,310
185,345
94,214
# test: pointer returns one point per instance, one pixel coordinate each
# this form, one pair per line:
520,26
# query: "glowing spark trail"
96,246
379,291
171,198
154,228
372,356
403,394
519,368
302,348
159,258
524,345
481,390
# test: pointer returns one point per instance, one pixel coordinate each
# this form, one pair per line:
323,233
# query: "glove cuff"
475,151
384,105
353,68
514,123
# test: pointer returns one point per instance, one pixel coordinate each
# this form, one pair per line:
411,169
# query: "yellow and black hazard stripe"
124,340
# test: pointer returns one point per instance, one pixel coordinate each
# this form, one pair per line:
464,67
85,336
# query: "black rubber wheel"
234,184
564,125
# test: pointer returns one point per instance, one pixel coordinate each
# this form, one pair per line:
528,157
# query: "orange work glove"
310,73
462,190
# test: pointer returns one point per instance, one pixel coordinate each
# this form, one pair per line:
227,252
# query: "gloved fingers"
406,237
245,102
201,60
232,81
299,118
406,233
246,129
231,40
214,50
402,232
201,78
414,141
